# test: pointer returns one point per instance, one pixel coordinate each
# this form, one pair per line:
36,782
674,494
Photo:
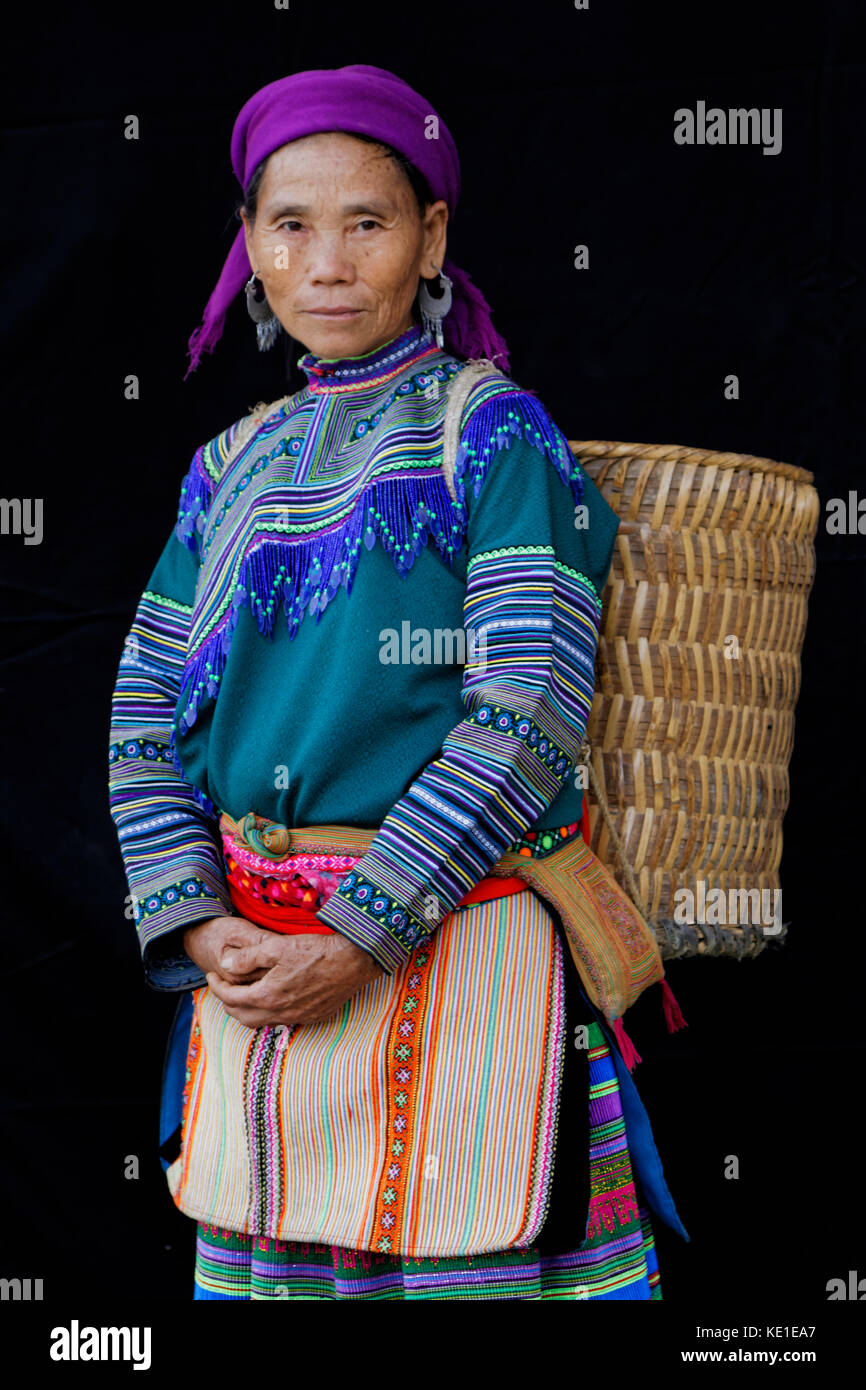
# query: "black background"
704,261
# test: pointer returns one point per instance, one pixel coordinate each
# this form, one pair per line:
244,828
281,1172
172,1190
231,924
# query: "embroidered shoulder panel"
496,411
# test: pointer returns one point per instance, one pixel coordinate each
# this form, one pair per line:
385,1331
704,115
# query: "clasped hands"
263,977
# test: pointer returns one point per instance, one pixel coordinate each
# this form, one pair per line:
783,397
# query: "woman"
388,1078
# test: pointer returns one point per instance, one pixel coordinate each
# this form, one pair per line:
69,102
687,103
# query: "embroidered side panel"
613,1198
261,1090
406,1040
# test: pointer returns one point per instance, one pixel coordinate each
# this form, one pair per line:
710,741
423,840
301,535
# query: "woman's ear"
435,237
248,238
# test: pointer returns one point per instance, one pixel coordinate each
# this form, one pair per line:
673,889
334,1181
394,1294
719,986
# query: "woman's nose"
328,260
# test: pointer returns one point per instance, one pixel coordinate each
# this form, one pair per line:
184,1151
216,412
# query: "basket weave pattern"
698,673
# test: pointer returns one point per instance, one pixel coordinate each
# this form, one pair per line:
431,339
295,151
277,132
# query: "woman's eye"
292,225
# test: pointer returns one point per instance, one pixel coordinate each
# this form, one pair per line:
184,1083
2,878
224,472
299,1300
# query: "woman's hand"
297,979
211,944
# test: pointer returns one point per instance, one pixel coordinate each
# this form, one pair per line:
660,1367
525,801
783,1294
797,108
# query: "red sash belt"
292,920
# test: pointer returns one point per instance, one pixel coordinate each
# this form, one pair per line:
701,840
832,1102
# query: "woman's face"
337,227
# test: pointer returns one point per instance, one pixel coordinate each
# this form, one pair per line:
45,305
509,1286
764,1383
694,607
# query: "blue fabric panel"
174,1074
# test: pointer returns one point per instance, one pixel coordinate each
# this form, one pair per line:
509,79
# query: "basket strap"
459,389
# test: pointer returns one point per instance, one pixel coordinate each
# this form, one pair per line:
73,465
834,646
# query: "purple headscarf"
369,101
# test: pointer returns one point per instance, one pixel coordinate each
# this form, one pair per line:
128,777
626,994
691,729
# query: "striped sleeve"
167,829
540,541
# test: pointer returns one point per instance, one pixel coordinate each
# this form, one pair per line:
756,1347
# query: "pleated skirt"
596,1241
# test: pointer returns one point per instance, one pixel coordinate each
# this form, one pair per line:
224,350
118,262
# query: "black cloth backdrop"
704,261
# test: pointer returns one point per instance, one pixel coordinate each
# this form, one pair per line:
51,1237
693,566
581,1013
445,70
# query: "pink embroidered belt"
283,891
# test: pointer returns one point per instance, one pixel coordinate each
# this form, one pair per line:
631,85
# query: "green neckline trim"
511,550
577,574
167,602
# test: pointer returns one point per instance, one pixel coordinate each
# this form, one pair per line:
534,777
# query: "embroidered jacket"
299,648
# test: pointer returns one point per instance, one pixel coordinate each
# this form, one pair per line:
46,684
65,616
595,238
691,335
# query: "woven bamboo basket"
698,673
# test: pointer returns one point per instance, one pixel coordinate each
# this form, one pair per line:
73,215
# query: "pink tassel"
629,1052
673,1013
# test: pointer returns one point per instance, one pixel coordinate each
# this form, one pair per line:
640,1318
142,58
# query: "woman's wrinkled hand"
295,979
213,945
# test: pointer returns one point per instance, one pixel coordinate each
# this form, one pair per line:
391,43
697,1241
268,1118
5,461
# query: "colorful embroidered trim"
304,881
613,1199
141,748
403,1056
540,842
171,896
231,1266
375,368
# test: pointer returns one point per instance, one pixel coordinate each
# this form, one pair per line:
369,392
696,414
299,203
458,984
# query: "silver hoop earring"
266,322
433,310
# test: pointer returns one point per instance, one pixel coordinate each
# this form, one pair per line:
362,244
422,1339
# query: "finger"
244,959
230,977
236,996
239,965
248,933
